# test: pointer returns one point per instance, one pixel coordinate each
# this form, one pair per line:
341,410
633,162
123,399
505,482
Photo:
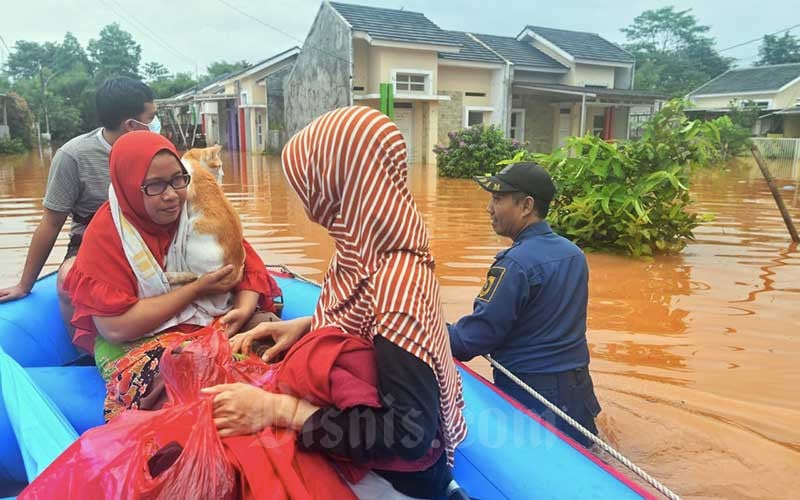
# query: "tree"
219,68
779,50
28,58
154,71
115,53
177,83
55,80
673,53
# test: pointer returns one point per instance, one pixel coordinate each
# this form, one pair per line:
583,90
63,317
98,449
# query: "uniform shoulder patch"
493,278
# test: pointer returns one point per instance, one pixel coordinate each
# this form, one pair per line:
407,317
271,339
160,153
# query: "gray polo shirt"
78,179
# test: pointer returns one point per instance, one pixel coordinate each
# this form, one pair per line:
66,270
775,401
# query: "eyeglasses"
156,188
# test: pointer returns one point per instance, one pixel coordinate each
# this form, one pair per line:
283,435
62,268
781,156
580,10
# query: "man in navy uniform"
530,314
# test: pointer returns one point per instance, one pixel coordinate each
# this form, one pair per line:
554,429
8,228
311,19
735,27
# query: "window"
598,125
243,98
797,103
409,82
259,129
474,118
756,104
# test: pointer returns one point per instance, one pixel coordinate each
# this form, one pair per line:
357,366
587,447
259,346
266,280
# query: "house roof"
757,79
603,93
470,50
583,45
393,25
520,53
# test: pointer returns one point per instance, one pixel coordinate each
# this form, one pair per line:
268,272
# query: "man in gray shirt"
78,181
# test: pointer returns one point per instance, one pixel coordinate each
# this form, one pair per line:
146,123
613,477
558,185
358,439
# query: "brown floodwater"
696,357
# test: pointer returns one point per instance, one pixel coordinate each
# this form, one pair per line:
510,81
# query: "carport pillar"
583,115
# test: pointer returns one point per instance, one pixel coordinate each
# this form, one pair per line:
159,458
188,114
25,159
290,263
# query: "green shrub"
475,151
12,147
631,197
20,119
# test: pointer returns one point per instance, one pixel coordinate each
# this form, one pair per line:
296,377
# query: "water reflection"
695,356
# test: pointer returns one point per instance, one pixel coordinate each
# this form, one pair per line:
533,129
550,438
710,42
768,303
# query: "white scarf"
152,279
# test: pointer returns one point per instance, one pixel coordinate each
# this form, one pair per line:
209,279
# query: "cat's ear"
217,148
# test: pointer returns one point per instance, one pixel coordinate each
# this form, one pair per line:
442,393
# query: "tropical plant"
12,147
631,197
476,150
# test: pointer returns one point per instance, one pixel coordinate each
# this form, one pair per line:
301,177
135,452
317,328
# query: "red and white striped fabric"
349,169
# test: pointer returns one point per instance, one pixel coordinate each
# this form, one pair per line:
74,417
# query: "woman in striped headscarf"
349,170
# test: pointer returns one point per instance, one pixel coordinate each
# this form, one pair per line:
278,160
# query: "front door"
404,118
564,123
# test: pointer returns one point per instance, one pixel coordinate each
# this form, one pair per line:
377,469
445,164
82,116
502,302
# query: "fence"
781,155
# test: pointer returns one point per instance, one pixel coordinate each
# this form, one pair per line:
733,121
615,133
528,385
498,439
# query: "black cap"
526,177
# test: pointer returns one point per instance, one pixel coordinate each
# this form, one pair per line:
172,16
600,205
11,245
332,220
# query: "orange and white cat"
210,232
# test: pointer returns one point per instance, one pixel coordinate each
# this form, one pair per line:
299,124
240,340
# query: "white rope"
596,440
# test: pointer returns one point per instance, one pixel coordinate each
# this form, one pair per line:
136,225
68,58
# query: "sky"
188,35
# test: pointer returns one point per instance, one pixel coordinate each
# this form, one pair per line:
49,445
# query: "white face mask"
154,125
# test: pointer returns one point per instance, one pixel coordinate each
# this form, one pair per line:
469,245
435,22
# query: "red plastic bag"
111,461
116,460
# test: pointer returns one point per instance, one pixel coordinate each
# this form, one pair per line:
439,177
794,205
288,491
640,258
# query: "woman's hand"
244,305
234,319
283,333
244,409
213,283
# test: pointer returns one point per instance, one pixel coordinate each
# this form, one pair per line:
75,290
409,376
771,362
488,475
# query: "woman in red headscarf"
348,167
115,318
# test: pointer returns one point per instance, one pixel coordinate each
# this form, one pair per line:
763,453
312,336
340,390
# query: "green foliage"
673,53
20,119
219,68
733,138
61,77
475,151
779,49
115,53
12,147
171,85
631,197
154,71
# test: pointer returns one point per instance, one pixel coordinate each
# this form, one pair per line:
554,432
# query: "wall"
457,79
533,77
276,84
451,115
620,122
320,80
623,78
361,67
383,60
725,101
788,98
584,74
791,126
539,118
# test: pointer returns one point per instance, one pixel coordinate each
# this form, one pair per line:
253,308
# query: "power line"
289,35
146,31
757,39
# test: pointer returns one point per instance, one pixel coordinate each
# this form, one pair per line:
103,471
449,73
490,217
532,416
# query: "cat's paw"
180,278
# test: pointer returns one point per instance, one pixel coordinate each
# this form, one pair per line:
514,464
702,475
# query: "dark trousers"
572,391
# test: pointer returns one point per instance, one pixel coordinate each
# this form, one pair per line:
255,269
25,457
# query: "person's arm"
41,245
148,313
497,307
405,426
244,305
63,191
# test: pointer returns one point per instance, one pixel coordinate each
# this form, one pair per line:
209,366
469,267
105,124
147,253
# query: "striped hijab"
349,169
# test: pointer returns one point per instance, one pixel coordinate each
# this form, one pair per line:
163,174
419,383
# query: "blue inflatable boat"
46,403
